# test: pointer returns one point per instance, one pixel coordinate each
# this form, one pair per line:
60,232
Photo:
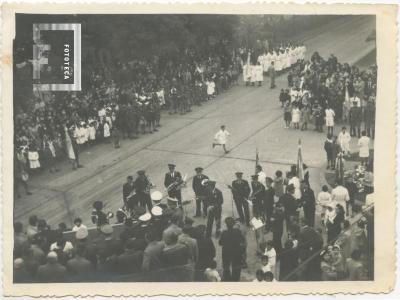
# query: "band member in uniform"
200,191
240,191
214,210
127,188
143,186
172,182
257,197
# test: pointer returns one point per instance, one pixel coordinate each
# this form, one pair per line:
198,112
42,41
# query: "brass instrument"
177,184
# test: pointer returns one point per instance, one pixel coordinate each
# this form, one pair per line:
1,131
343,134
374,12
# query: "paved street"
251,114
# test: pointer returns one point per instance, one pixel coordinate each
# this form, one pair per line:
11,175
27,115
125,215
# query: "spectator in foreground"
231,241
52,271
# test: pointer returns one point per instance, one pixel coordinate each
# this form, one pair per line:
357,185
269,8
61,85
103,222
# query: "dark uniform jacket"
216,198
231,241
198,188
355,116
258,191
289,203
127,189
172,177
240,189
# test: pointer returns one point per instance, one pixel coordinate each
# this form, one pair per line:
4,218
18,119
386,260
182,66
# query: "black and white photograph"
194,147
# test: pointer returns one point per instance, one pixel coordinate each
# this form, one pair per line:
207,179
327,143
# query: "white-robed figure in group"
221,138
278,61
246,73
258,72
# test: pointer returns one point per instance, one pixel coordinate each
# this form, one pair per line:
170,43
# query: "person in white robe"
344,141
253,71
278,62
268,58
221,138
258,69
246,74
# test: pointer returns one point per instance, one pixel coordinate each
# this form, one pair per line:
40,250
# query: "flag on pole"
257,162
300,171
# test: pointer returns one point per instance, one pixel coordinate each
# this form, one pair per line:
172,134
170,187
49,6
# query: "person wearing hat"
52,271
257,196
214,210
128,188
200,191
240,191
107,245
172,182
142,186
231,242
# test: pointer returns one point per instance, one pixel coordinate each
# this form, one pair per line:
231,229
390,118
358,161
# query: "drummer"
157,198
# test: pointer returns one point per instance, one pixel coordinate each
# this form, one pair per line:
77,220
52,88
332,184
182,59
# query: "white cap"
156,196
146,217
156,211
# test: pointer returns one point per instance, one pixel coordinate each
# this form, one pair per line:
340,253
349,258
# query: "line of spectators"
119,100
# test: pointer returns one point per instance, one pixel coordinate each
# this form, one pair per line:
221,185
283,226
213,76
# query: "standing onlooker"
278,184
328,146
344,141
271,73
340,195
363,144
287,114
308,203
355,120
369,119
330,119
296,116
231,241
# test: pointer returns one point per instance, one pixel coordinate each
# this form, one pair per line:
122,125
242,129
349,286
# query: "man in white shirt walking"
220,138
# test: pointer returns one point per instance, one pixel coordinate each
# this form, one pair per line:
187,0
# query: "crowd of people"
119,101
157,236
160,238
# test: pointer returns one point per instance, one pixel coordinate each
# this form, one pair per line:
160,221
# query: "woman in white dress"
106,132
33,157
296,113
69,148
330,119
363,145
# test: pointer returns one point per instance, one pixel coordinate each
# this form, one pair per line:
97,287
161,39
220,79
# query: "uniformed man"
240,191
157,198
172,182
200,191
214,210
127,188
257,196
143,185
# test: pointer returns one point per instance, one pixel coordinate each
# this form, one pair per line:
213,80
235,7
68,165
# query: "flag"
257,162
300,171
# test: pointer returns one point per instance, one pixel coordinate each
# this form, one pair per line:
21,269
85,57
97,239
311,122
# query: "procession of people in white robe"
283,59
